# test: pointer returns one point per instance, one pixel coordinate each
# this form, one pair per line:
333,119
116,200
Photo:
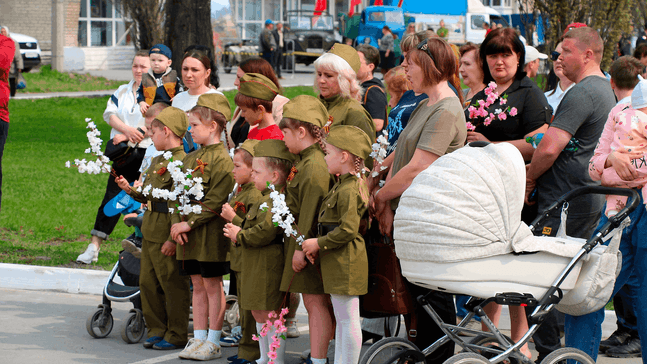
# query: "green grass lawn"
48,210
47,80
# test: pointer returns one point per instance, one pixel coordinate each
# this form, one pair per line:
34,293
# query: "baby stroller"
458,229
99,324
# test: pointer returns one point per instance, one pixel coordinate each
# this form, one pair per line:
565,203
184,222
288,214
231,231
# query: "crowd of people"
316,151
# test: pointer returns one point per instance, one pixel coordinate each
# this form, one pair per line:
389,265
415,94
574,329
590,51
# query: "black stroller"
100,323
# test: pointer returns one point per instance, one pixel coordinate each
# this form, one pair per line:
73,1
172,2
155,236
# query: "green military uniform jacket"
346,111
262,258
303,197
156,226
342,252
245,199
206,240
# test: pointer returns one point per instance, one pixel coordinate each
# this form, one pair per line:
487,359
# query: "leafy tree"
611,18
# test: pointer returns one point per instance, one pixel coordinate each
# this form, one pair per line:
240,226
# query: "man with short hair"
641,54
278,54
374,97
560,162
267,41
532,61
642,38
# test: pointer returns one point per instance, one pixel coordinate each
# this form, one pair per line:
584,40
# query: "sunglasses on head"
554,55
424,47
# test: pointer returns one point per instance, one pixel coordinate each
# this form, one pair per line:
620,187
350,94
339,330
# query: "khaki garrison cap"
216,102
306,108
348,54
258,86
174,119
351,139
274,148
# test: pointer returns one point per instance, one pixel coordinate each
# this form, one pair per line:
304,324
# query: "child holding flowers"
303,119
164,292
254,98
262,256
246,196
340,246
204,249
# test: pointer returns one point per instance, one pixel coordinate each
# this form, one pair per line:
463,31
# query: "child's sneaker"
191,347
133,245
91,255
230,341
293,330
207,351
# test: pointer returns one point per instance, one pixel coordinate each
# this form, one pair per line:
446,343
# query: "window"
101,24
477,21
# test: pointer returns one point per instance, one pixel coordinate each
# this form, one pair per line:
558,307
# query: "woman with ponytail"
436,127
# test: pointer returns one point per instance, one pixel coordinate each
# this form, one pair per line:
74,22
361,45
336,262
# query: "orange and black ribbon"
161,171
293,172
239,206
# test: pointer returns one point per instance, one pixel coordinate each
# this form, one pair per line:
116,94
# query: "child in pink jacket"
625,130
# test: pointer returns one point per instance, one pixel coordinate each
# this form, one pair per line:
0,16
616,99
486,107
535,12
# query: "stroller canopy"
467,205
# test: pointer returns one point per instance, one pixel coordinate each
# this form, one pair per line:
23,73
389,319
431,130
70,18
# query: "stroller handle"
598,190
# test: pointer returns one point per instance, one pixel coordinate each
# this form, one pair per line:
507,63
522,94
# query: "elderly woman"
238,129
502,55
338,88
435,128
124,118
471,71
16,64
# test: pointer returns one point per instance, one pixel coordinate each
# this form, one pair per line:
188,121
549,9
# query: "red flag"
320,7
353,4
400,3
378,3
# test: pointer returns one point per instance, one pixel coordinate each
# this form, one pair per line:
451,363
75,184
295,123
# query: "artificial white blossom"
281,215
168,155
100,165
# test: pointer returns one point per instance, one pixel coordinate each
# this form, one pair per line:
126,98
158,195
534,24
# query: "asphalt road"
49,327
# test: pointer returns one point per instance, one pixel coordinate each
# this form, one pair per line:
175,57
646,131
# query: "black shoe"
133,245
630,349
617,338
134,221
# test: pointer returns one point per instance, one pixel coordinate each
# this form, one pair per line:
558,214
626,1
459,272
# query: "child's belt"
158,207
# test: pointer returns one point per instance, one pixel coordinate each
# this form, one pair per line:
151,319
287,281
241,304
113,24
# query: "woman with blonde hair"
338,88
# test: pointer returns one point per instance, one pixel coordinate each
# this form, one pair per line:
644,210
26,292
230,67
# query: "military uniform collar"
330,101
247,186
347,176
310,150
212,146
278,188
175,150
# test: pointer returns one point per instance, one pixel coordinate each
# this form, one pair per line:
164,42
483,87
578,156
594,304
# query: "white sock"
280,352
318,361
348,335
263,345
200,334
214,336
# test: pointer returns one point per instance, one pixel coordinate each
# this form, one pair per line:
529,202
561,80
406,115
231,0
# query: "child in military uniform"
161,83
309,181
255,95
164,292
340,246
204,249
246,196
262,244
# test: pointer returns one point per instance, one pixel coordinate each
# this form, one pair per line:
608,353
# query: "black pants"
277,61
428,331
4,131
103,225
12,85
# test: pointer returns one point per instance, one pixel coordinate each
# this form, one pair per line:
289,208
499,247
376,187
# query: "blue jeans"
585,332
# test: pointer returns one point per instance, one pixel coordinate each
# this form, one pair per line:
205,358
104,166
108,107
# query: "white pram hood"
467,205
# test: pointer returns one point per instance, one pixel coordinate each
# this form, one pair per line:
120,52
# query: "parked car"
29,49
312,36
236,52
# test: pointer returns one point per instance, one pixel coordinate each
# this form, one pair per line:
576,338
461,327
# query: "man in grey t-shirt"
560,163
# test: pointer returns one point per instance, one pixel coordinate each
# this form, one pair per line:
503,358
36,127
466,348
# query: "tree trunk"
147,15
188,22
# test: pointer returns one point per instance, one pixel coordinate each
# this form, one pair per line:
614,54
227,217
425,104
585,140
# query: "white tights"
348,335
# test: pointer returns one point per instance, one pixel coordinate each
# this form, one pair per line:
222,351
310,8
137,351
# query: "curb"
68,280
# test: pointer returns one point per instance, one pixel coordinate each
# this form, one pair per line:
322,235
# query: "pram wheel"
392,350
99,325
495,347
232,315
563,354
467,358
134,328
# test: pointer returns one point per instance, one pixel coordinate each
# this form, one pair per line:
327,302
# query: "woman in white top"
124,116
556,95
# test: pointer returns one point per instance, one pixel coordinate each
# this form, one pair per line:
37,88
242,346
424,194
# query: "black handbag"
122,154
